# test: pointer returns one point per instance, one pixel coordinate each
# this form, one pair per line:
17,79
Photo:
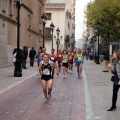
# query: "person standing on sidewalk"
65,63
46,68
115,69
106,59
31,56
79,62
14,55
25,52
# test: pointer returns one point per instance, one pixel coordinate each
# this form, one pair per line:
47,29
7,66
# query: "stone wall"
30,27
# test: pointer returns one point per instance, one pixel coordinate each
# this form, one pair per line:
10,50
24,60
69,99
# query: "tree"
107,12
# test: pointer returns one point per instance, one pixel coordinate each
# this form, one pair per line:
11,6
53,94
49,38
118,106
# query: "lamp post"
58,41
44,21
18,70
98,27
52,28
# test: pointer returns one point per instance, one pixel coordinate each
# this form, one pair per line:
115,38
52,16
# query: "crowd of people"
49,63
52,63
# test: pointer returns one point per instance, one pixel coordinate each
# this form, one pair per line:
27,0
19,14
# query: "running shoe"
49,96
46,100
78,76
64,77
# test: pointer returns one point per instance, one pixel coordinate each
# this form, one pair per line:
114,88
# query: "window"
15,10
68,25
11,7
0,4
48,33
4,6
30,3
29,20
40,13
48,15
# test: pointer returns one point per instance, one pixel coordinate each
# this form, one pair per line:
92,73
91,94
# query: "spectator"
14,55
106,59
25,52
32,54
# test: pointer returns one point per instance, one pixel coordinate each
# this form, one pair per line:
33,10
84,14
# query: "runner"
65,63
79,62
59,59
53,58
37,56
46,67
70,60
43,51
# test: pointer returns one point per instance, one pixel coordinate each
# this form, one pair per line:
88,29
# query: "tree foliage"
106,12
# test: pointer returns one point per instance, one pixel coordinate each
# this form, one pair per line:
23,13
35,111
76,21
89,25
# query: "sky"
79,18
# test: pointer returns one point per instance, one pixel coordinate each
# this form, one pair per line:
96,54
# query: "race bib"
64,61
59,55
52,58
46,72
79,59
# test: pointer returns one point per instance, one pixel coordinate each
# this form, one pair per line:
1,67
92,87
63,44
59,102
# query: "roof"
55,5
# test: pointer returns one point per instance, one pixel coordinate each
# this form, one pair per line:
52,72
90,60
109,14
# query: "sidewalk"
7,80
100,90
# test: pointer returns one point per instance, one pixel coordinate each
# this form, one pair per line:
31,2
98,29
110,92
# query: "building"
62,14
30,27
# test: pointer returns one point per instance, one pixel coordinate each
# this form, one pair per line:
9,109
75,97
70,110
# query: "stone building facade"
62,14
30,27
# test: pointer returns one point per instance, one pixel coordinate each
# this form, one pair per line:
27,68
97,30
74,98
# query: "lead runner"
46,67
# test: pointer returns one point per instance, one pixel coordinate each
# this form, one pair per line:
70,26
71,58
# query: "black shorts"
71,62
46,78
65,65
59,62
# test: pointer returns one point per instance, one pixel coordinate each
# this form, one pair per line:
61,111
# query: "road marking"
88,105
97,117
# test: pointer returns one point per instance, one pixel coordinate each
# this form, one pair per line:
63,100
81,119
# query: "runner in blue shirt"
37,56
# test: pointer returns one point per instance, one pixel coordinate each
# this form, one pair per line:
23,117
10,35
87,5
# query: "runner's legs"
44,86
50,84
80,69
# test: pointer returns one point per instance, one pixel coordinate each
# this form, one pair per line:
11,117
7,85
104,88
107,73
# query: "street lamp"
18,70
44,21
57,42
52,28
98,27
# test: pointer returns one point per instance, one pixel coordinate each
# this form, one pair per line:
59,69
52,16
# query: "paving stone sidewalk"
100,90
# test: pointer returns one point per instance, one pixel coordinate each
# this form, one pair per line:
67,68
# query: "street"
87,98
25,101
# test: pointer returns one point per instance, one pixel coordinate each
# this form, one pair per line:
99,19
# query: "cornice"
27,8
32,31
8,19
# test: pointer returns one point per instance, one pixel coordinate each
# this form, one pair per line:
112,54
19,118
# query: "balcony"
48,36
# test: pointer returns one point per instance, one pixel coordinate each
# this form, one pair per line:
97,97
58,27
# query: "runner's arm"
56,67
75,57
39,69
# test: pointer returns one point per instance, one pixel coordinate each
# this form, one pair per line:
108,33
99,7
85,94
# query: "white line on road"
89,111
